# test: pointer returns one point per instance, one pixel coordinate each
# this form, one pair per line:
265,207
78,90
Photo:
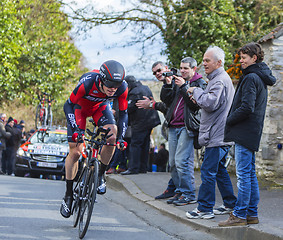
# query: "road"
29,209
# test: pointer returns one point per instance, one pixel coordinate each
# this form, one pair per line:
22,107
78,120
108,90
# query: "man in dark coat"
244,126
161,158
9,152
3,137
142,122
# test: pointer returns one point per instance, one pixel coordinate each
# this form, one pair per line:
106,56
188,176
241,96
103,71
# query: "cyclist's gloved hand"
121,144
77,136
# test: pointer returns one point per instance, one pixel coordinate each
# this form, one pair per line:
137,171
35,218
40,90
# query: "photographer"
142,122
183,121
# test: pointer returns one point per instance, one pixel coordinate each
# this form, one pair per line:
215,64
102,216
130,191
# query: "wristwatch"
151,104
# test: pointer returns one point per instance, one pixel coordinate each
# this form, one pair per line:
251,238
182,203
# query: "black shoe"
101,189
183,201
66,206
128,172
166,194
176,197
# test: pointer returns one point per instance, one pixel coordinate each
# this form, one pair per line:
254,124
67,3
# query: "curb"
250,232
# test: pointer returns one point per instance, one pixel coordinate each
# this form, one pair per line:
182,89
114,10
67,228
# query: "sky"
95,46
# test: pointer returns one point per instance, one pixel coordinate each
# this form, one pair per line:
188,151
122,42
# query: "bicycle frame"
86,186
43,117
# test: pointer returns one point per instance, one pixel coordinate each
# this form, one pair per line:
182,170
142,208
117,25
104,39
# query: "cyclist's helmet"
112,74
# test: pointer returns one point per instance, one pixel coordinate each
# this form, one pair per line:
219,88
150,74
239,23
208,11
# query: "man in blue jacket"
244,126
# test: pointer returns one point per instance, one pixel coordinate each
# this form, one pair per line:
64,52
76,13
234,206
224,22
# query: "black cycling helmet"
112,74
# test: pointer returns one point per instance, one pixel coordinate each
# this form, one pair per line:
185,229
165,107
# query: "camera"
167,74
174,71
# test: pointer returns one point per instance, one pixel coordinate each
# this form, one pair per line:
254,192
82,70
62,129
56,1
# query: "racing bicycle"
87,183
43,116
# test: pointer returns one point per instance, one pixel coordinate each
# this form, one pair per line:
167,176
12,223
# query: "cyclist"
91,98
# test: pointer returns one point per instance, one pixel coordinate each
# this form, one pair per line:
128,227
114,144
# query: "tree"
37,53
188,27
11,46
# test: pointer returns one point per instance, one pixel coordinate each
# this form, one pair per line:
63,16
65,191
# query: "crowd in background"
12,134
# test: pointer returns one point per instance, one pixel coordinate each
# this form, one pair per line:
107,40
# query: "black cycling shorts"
101,114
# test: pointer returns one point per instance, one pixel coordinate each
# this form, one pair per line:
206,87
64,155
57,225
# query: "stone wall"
270,157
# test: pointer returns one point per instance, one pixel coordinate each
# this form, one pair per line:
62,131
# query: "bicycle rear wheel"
49,117
89,196
37,117
78,197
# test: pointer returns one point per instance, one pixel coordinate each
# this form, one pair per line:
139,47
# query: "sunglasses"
157,71
111,84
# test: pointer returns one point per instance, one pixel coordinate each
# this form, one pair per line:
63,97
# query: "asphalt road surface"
29,209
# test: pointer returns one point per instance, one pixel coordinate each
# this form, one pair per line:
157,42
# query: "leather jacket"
169,95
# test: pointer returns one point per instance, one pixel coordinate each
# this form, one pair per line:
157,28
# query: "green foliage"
36,52
191,26
11,46
188,27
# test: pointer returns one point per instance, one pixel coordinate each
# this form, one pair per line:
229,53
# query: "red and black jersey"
87,97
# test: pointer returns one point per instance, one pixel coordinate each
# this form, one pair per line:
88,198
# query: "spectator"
215,102
152,153
142,122
183,121
22,127
161,158
3,137
9,152
244,126
18,135
30,133
119,159
158,68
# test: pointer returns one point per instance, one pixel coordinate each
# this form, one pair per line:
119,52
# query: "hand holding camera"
169,76
179,81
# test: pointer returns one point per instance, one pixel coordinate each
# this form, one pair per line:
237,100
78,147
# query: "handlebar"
45,97
104,136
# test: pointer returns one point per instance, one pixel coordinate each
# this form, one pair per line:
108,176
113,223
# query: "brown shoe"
252,220
119,170
233,221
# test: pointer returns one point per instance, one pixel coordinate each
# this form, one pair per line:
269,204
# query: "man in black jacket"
142,122
183,118
9,152
3,137
161,158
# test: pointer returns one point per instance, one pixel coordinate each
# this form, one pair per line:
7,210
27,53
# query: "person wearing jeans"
215,102
183,117
213,169
244,126
181,161
248,191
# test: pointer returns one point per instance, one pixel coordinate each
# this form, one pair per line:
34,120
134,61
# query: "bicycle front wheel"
89,196
78,190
